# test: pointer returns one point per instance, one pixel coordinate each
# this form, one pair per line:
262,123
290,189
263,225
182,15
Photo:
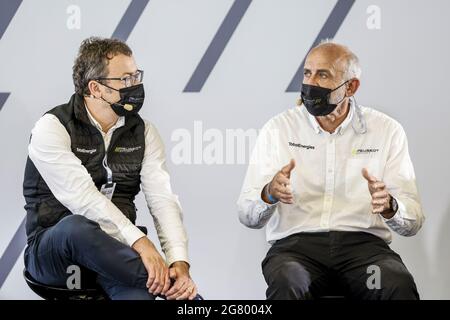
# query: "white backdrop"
404,51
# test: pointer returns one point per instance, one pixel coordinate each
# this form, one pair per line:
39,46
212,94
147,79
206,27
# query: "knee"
290,280
398,283
291,273
76,227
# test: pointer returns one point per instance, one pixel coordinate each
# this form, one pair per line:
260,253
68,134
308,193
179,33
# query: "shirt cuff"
265,205
131,234
266,209
176,254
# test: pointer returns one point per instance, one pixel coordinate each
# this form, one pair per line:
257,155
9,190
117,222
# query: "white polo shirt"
330,193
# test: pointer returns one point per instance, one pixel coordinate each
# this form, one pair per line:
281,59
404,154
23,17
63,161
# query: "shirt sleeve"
253,211
70,182
400,180
162,202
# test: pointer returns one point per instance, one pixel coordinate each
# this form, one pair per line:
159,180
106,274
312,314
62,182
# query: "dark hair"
93,58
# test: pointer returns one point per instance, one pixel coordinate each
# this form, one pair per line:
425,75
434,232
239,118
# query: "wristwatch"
271,198
393,204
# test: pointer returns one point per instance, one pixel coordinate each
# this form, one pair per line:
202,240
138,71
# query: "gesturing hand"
381,199
280,186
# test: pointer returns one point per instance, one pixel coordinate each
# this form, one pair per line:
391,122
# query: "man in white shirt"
329,179
87,160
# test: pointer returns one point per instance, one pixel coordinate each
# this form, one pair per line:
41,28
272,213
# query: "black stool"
57,293
335,291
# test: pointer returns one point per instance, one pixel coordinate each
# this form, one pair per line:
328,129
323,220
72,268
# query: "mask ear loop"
329,95
94,97
358,123
101,98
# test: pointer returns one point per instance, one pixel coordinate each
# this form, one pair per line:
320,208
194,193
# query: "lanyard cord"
108,169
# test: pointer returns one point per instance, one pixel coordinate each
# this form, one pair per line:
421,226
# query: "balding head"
333,66
336,62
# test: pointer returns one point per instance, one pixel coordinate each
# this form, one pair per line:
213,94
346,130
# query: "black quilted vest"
125,154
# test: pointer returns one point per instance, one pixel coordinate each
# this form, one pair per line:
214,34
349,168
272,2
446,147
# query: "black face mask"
317,99
131,100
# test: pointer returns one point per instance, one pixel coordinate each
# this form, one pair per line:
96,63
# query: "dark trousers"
76,240
357,265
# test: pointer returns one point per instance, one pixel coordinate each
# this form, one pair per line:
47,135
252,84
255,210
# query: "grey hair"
352,65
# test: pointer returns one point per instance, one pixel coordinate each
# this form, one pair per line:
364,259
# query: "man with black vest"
87,161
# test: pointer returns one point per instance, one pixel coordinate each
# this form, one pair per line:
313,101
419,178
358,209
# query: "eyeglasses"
130,80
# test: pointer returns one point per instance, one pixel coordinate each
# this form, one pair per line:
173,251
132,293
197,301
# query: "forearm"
408,218
168,220
400,180
255,213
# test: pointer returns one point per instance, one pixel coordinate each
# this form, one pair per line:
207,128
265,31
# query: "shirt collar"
339,130
120,122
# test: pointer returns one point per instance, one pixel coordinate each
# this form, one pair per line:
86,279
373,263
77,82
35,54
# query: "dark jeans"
76,240
312,265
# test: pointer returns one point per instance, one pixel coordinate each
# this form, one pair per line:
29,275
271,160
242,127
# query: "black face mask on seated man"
131,100
317,99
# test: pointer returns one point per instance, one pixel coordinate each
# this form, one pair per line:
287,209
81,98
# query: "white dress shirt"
70,183
330,193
